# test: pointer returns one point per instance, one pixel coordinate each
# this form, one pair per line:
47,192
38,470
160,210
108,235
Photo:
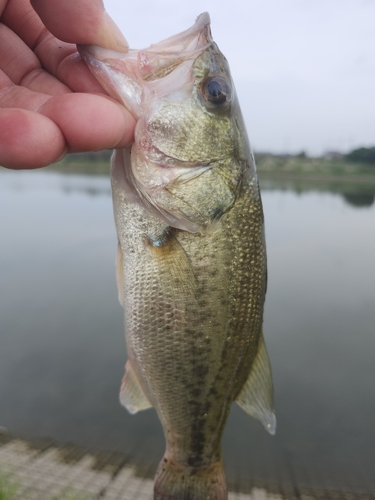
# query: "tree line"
362,155
359,155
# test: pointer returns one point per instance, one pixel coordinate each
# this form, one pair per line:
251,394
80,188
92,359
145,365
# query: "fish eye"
216,90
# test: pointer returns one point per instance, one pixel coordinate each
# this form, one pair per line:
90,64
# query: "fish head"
191,150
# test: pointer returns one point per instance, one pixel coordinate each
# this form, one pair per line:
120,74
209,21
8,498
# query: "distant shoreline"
318,177
284,168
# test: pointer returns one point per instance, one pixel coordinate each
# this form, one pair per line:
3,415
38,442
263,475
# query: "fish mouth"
131,77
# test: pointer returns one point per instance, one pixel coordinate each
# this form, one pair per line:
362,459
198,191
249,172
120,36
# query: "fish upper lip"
92,50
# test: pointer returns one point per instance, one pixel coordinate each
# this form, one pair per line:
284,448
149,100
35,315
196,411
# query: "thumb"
80,22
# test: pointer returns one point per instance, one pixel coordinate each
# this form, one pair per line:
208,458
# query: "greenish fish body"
191,265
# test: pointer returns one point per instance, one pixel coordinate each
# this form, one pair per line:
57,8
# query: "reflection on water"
359,199
61,329
359,194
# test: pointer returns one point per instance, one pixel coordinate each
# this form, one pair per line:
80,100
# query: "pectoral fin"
256,396
131,392
174,271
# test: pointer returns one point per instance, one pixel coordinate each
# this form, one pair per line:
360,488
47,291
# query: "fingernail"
62,156
110,36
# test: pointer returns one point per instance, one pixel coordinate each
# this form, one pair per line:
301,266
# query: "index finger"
58,58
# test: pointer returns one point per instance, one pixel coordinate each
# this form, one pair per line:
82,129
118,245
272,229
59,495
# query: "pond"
61,330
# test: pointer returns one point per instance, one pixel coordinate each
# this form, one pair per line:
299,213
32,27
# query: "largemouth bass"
191,264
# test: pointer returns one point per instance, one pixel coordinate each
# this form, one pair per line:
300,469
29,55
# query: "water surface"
61,330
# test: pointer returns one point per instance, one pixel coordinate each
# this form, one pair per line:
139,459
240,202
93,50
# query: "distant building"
333,155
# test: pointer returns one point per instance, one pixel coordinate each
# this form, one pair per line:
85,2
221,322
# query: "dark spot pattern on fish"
194,293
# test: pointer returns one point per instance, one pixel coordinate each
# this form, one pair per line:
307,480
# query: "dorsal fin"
256,396
132,395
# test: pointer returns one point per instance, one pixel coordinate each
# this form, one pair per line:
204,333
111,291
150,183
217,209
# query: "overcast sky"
304,69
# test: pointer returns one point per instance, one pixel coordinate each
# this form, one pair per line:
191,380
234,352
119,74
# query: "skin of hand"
50,104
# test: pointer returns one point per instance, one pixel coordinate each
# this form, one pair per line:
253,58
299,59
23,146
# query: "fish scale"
181,322
191,266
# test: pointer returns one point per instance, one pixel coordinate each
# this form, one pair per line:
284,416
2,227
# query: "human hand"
50,104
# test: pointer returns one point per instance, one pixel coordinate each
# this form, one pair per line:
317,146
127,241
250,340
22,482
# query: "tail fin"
178,482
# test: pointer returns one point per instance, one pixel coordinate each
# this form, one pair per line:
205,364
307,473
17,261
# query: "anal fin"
132,395
256,396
